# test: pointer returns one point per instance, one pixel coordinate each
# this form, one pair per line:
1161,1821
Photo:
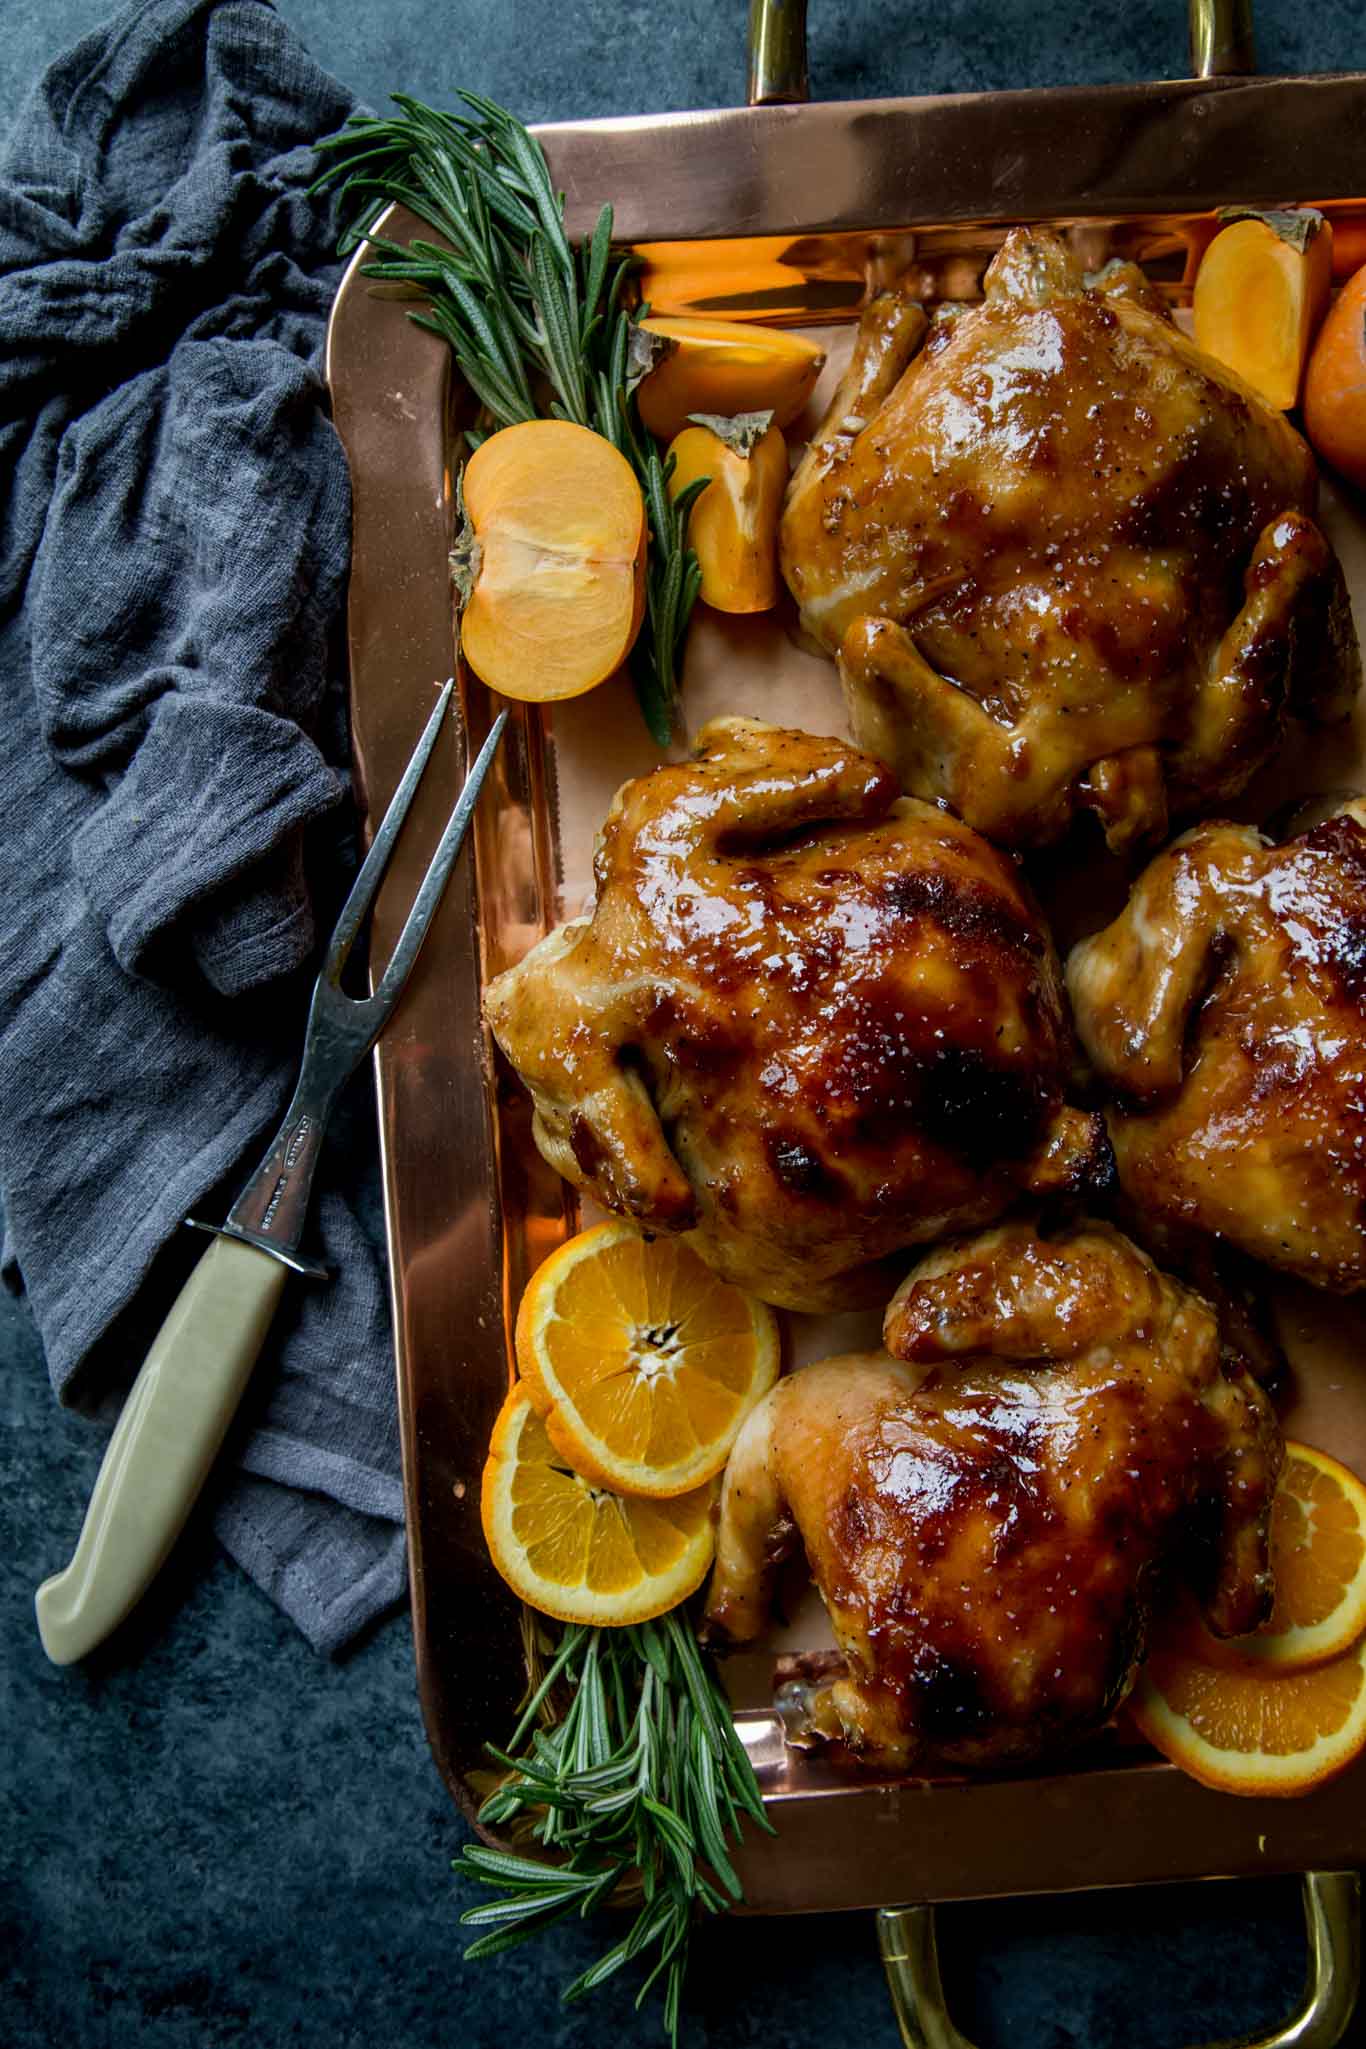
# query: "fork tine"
434,881
377,859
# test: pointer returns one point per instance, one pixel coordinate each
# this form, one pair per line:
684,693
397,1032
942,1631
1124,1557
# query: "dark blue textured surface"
561,59
174,744
210,1836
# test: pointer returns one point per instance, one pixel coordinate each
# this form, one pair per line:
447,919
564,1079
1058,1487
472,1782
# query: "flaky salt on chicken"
808,1022
1066,561
991,1515
1226,1008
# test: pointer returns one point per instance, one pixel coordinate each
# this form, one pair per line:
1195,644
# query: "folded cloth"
173,746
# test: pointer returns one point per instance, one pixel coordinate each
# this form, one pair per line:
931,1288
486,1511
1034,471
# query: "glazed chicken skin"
808,1023
990,1514
1065,560
1226,1008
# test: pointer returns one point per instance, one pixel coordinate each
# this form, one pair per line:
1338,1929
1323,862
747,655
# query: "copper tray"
792,213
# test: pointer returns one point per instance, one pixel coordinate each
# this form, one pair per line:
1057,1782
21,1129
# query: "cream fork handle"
164,1444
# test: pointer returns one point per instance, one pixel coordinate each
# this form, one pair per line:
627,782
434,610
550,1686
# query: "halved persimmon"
551,561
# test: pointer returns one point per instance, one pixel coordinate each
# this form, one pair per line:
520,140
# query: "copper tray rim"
577,150
974,139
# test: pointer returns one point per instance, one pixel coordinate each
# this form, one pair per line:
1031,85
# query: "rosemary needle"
535,324
642,1781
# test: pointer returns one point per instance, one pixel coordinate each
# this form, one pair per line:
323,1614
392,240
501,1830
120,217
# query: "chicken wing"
991,1514
1065,559
808,1022
1226,1007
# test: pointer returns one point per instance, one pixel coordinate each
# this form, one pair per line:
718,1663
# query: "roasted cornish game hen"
1065,560
1226,1008
991,1514
809,1022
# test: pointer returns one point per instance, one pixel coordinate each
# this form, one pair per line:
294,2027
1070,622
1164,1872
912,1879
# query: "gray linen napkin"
173,747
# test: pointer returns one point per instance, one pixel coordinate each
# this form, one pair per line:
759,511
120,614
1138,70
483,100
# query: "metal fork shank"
271,1210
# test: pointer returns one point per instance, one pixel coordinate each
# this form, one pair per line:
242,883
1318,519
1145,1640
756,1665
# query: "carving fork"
188,1389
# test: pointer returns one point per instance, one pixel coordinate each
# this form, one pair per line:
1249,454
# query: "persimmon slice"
727,367
733,527
551,562
1260,293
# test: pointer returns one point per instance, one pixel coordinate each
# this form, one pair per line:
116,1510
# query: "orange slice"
643,1362
573,1550
1251,1729
1283,1710
1318,1555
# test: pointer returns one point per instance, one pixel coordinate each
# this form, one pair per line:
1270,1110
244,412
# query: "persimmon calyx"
645,351
1296,226
741,432
467,556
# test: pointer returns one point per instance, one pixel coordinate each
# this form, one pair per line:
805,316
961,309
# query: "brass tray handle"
1220,43
777,52
1221,38
1332,1925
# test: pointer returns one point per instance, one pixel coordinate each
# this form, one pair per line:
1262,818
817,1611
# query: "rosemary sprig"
641,1781
535,324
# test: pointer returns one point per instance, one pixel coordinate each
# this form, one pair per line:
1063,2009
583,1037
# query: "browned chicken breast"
990,1522
1065,559
1226,1006
808,1022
